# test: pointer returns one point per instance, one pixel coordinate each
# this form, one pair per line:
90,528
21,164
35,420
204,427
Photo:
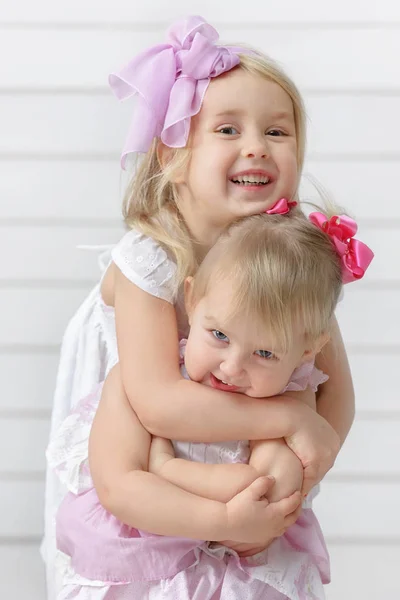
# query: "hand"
244,550
315,443
253,520
161,451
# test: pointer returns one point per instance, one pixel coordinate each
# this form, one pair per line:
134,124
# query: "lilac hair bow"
170,81
355,255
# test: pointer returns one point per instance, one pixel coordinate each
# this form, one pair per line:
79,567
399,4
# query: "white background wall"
60,136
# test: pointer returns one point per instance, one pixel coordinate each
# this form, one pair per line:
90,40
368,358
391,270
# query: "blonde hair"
283,272
150,203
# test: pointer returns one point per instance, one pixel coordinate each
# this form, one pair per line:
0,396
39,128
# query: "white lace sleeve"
146,264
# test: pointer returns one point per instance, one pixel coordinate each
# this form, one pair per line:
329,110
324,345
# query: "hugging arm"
335,399
118,456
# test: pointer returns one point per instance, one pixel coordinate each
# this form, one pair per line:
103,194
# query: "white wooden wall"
60,136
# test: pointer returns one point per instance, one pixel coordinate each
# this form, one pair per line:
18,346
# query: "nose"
255,146
232,367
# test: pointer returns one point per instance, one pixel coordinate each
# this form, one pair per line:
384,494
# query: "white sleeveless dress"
89,351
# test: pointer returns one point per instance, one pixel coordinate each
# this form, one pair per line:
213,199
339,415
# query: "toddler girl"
260,308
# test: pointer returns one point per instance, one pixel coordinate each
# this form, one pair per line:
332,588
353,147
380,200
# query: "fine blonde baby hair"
150,203
283,271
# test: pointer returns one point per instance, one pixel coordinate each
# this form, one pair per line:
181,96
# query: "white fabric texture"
89,351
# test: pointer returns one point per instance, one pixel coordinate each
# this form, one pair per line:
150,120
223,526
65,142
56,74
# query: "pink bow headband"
170,81
355,256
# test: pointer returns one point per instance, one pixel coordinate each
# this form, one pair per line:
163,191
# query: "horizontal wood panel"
40,253
28,382
364,189
363,572
93,189
74,124
124,12
39,316
22,444
346,510
369,317
22,573
21,509
371,449
376,381
96,53
61,189
359,510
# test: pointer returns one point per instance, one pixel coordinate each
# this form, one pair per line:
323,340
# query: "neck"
204,231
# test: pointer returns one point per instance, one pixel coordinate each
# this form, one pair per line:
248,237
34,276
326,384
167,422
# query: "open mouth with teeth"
222,385
250,180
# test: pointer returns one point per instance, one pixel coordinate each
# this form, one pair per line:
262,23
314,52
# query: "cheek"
270,382
195,362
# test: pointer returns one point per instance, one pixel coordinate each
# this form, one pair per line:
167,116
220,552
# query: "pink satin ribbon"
282,207
355,255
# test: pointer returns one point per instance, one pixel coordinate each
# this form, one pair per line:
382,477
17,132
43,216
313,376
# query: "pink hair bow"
355,255
170,81
282,207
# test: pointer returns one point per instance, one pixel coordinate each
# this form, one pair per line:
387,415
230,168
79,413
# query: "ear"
316,347
188,297
164,156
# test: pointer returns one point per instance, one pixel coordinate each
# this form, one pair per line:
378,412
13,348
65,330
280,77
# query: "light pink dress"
100,558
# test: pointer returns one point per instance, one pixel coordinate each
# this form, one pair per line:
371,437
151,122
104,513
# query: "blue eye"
264,353
219,335
228,130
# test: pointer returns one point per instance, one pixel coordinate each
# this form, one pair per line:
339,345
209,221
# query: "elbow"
156,413
121,497
108,496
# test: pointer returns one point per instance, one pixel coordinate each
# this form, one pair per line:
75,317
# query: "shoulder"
144,262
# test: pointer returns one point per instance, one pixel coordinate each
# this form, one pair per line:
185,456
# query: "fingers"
292,518
260,487
287,506
309,479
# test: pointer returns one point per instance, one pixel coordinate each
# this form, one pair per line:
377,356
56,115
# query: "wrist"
218,521
293,415
158,463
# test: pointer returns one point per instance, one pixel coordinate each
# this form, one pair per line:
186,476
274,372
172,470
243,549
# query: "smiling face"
243,152
236,354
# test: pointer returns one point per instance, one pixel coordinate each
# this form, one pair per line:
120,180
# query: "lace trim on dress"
146,264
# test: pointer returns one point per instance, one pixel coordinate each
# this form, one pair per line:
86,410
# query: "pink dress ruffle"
100,558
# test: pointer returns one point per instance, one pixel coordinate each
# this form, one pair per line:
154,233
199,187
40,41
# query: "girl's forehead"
239,90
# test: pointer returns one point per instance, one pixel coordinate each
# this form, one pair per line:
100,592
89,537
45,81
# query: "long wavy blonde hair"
150,202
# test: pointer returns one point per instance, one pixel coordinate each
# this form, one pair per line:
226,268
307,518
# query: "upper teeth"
250,179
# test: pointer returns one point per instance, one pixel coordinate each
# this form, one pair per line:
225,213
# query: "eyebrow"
281,115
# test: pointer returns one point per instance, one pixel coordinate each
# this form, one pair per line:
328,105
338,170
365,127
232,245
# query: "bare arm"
172,407
118,456
166,403
214,481
274,457
335,400
223,481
